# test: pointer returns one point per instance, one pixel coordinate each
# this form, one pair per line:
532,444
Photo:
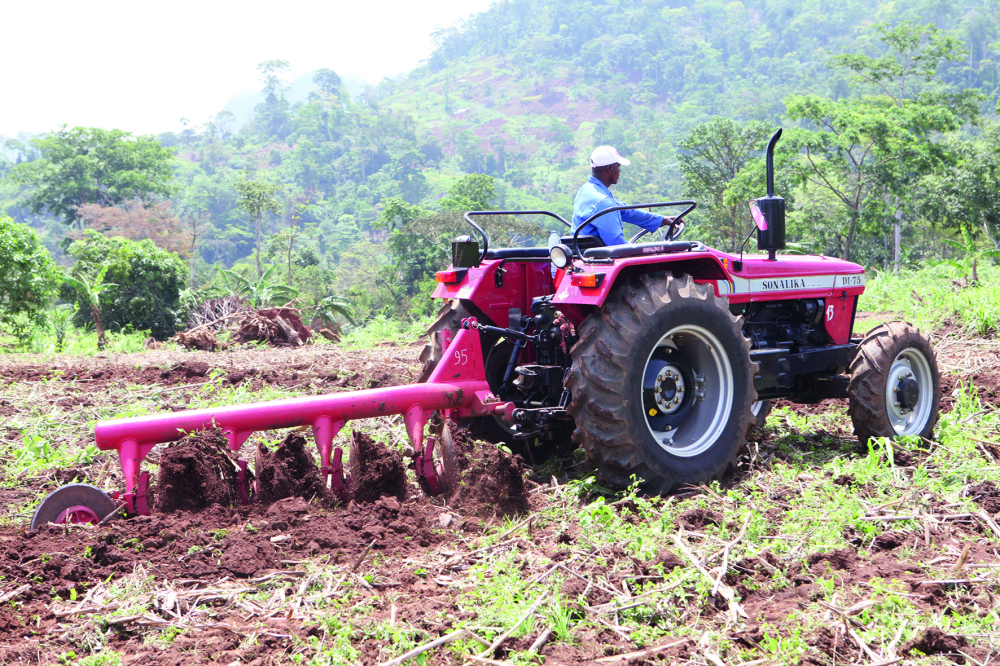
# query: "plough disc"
446,464
76,503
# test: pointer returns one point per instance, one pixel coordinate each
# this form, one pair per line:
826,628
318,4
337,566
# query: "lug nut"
895,389
676,400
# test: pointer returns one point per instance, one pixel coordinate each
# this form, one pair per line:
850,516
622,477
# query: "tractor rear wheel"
895,385
662,384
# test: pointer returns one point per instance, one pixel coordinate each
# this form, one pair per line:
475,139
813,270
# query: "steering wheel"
672,231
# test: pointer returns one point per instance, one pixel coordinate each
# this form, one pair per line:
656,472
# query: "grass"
932,297
382,329
810,469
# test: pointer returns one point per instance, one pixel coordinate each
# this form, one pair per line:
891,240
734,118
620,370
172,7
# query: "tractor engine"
791,324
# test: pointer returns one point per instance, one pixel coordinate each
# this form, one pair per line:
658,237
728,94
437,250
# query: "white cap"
605,155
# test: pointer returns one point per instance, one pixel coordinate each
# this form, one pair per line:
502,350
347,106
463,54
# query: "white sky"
143,65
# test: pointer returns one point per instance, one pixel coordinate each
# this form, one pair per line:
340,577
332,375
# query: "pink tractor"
655,357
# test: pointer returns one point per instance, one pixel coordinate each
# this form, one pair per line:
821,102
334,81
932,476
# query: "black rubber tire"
870,379
761,417
608,366
73,494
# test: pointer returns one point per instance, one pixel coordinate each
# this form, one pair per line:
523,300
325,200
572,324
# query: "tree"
869,152
256,198
28,276
90,292
715,153
328,81
133,221
89,165
968,191
149,281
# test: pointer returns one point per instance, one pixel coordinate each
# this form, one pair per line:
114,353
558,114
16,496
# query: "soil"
491,481
376,471
288,471
401,539
195,473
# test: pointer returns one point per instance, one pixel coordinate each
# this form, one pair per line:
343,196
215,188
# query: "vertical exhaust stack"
772,239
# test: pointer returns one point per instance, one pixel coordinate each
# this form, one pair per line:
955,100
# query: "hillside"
522,93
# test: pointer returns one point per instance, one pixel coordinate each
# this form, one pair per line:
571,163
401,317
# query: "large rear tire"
895,385
662,384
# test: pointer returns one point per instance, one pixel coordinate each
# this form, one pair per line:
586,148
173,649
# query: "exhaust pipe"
771,239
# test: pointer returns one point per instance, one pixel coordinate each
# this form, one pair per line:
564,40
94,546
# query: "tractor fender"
701,266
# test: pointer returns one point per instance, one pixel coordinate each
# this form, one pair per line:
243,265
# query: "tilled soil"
200,537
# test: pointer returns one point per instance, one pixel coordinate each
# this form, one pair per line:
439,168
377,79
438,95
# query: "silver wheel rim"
755,408
714,392
909,364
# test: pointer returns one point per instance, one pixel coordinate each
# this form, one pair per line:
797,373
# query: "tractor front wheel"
895,384
662,384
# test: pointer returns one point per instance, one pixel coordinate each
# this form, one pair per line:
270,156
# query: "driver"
595,196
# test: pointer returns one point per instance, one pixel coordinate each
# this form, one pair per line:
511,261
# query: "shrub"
149,282
28,276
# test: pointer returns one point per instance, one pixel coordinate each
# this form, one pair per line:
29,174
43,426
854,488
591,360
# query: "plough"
456,389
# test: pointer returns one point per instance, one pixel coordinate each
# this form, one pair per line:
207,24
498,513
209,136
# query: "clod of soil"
935,641
844,559
246,556
491,480
288,471
696,519
197,472
376,471
986,495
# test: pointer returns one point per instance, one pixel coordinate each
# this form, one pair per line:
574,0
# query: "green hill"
522,93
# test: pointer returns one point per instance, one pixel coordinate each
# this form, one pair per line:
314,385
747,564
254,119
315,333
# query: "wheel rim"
755,408
909,392
691,368
78,515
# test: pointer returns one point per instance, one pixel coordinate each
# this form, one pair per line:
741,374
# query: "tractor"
654,357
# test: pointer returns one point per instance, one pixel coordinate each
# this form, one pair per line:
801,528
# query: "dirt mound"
288,471
376,471
696,519
935,641
195,473
280,327
986,495
245,555
491,480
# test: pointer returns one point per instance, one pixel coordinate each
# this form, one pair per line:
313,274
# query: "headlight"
560,255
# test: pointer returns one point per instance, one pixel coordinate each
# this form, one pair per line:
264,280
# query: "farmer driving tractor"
595,196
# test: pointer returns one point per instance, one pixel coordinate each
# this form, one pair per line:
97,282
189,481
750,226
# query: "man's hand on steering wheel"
670,221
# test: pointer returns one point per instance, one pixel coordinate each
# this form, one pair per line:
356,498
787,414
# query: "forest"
891,156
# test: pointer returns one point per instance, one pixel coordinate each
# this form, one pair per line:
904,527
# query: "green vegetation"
89,165
28,277
890,146
149,282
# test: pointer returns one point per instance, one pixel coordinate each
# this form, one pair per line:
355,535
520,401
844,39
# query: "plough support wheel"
76,503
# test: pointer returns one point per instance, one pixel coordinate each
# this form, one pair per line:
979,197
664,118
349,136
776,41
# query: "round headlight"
560,255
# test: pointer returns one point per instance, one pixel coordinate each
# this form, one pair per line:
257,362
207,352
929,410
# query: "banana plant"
972,253
263,292
331,306
91,294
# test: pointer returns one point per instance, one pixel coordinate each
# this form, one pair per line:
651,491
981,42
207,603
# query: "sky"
142,66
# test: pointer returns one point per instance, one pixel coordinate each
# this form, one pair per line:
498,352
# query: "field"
814,551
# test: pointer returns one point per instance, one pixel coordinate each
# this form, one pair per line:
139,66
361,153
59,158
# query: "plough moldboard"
456,389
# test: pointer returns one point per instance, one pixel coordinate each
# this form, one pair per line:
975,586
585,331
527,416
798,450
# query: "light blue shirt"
594,197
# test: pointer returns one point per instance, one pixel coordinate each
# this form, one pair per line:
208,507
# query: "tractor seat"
640,249
514,253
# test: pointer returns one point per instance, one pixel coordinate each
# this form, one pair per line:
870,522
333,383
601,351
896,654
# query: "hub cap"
687,390
909,391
